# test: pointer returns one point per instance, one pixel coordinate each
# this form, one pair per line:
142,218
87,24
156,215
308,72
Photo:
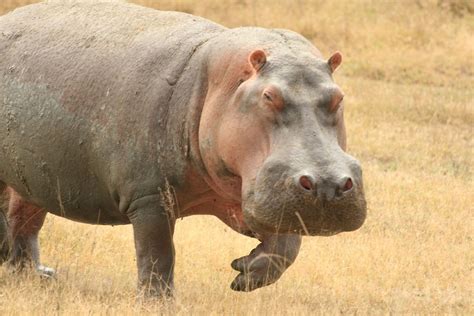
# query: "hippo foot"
40,270
258,269
45,272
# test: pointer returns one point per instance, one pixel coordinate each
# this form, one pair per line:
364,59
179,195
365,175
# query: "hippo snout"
325,203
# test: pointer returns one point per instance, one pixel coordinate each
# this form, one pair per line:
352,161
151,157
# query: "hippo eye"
267,96
338,114
336,102
335,108
272,99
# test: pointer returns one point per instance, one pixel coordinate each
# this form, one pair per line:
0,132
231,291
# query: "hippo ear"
335,61
257,59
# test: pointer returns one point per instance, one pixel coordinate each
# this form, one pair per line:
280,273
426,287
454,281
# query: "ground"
408,76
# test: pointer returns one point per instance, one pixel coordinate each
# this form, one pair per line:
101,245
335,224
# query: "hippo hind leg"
4,249
24,221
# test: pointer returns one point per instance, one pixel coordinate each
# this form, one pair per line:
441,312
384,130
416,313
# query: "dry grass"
408,75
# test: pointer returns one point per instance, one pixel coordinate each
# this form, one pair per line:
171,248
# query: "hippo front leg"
266,263
153,229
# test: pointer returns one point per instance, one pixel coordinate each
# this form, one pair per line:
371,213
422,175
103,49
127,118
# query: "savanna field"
408,77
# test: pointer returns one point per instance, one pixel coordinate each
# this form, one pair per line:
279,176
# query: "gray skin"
112,114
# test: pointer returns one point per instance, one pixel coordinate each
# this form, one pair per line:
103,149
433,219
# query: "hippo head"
272,134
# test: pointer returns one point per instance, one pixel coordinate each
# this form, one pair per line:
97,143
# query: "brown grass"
408,74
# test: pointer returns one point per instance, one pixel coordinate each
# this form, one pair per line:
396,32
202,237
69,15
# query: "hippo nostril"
306,183
348,185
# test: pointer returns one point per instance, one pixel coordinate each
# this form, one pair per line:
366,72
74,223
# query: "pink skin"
228,143
25,218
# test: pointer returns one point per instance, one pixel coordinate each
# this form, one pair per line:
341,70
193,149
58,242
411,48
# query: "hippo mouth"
290,211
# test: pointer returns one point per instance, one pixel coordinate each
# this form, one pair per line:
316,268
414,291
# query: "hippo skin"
111,113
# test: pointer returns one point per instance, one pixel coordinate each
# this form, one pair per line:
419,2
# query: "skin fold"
112,114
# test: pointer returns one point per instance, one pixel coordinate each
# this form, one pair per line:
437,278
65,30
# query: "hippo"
112,113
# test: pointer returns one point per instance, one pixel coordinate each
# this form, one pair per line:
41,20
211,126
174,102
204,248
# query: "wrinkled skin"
116,114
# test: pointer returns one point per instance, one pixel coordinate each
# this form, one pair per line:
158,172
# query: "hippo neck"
220,55
200,93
